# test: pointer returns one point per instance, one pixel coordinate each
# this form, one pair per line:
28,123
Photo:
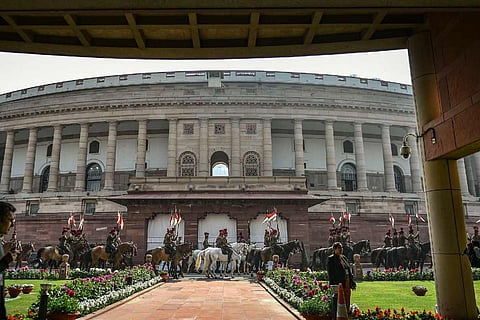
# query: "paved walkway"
200,299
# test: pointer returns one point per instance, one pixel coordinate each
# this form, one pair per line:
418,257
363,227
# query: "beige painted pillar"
172,148
387,160
55,160
111,155
82,158
203,170
330,154
141,149
453,276
267,148
298,137
415,169
360,158
235,170
30,160
7,162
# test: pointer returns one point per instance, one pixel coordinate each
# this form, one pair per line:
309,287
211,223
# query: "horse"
48,256
361,247
378,256
210,256
182,251
27,249
78,247
282,250
418,255
192,259
242,249
99,254
320,256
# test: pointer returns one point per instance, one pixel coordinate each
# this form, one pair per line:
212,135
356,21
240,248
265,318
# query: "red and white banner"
120,223
271,216
409,219
119,216
419,217
347,215
392,220
175,218
80,225
71,220
332,219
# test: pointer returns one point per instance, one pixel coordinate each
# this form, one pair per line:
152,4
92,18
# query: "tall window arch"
44,179
399,179
49,150
251,164
188,165
94,147
93,177
394,149
219,164
349,177
347,146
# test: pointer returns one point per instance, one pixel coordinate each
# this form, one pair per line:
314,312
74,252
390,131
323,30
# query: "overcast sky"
19,71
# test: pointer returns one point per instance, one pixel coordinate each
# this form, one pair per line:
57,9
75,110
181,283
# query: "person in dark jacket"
339,271
7,220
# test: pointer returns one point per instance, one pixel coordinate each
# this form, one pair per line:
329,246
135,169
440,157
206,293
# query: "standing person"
339,272
7,220
205,241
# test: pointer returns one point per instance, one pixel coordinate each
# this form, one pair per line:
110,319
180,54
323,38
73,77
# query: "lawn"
23,301
397,294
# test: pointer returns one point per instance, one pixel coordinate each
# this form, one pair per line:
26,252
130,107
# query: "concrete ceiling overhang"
213,29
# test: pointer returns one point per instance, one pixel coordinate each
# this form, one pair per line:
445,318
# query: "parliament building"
222,148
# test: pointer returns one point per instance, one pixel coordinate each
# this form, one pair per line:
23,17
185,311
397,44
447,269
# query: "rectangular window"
188,128
410,209
219,128
100,79
352,208
270,74
89,206
59,85
123,77
79,82
32,207
251,128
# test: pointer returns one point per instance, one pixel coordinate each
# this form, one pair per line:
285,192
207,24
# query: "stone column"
477,167
30,160
236,162
446,219
55,159
7,162
267,148
415,170
462,175
298,137
203,169
82,158
141,149
360,158
330,154
111,156
172,148
387,159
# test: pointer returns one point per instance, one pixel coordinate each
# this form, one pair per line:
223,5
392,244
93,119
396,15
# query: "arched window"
349,177
394,150
347,146
44,179
251,164
49,150
399,180
188,165
94,147
93,177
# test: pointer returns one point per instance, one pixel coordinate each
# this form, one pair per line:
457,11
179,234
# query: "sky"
20,71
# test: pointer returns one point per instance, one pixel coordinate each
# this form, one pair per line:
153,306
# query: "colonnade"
235,168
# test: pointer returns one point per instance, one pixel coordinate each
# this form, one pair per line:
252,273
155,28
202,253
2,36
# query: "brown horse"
78,246
158,254
48,256
283,250
27,249
100,256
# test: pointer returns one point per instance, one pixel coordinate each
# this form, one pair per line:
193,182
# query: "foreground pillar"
453,276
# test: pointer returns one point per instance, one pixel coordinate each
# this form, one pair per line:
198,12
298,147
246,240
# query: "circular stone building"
222,148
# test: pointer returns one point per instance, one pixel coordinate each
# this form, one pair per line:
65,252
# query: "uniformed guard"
402,239
63,245
169,242
266,238
331,237
222,243
205,241
241,239
395,238
413,237
388,239
476,236
112,243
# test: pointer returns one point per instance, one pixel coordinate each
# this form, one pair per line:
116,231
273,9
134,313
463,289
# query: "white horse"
210,256
241,249
192,259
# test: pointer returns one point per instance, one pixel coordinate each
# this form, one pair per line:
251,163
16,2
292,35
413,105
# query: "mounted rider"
345,236
205,241
63,246
222,242
475,236
241,239
413,238
113,240
402,239
388,239
169,242
266,238
395,238
331,237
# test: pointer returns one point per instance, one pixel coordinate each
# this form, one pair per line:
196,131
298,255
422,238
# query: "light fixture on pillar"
406,150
